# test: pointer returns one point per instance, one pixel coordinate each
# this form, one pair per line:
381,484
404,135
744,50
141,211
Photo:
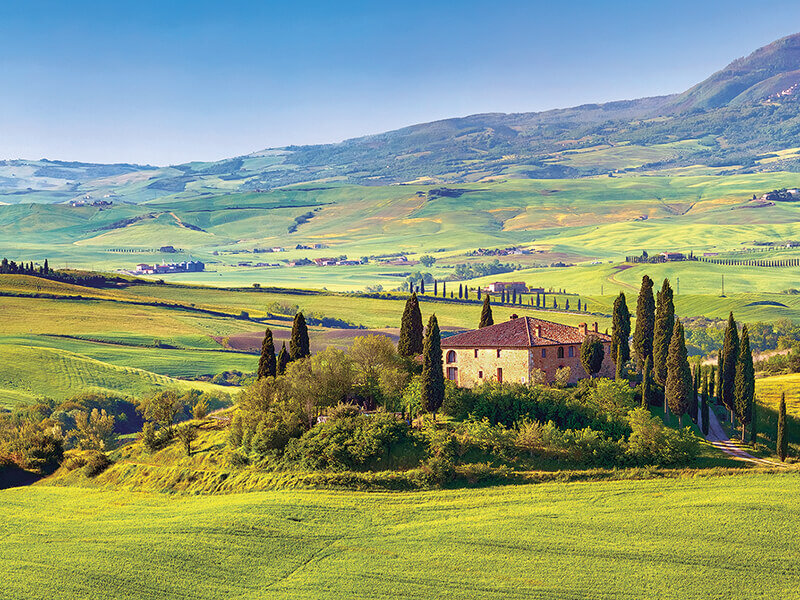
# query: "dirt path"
719,439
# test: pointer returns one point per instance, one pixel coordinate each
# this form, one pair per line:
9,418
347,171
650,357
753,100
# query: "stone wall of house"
518,363
473,370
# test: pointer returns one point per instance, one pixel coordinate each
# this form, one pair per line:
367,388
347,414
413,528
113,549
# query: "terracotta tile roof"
524,332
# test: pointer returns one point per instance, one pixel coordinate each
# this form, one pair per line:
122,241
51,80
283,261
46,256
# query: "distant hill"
736,121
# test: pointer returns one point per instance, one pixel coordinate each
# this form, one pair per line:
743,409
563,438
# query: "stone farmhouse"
513,350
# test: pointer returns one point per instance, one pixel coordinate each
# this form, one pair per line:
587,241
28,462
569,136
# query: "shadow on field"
12,476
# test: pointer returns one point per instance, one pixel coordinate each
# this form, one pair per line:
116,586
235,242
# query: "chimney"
595,326
582,328
538,331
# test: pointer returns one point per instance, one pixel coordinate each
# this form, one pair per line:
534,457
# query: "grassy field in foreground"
714,537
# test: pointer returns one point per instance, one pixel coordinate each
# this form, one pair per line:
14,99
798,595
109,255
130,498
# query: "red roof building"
520,350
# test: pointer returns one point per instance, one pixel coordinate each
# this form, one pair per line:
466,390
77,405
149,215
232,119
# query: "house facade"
512,351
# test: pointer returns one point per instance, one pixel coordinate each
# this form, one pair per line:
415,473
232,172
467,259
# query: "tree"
379,372
410,342
728,357
592,354
460,291
744,386
283,360
645,321
782,441
486,313
95,430
432,392
620,329
298,344
162,408
662,331
444,289
704,406
678,389
186,434
566,304
619,367
266,363
694,402
647,384
435,288
427,260
422,286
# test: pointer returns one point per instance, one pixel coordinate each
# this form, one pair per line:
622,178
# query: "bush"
652,443
200,409
150,438
360,443
95,463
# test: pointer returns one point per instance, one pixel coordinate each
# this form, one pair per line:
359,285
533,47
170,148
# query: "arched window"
560,352
451,356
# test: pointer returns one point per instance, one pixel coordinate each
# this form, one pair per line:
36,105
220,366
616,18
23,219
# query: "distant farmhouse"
512,350
190,266
520,287
88,202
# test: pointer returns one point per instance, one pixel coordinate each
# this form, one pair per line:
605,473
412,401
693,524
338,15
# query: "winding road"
719,439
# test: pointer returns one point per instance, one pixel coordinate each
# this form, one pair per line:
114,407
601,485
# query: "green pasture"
622,539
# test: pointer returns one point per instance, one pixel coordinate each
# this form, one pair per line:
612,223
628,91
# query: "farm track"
719,439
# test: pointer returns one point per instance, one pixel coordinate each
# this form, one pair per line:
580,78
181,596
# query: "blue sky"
169,82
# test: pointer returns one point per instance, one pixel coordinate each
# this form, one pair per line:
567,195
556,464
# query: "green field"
627,539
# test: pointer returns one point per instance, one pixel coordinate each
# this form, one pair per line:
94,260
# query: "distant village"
186,266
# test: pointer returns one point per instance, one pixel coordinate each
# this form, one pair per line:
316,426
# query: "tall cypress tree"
432,392
435,288
266,362
679,377
460,291
712,378
662,331
744,387
619,366
694,404
444,289
704,406
422,286
620,330
645,321
410,342
727,365
486,313
283,359
298,344
782,441
647,385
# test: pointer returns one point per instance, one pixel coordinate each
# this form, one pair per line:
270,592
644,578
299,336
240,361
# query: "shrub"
376,442
95,463
200,409
562,377
150,438
652,443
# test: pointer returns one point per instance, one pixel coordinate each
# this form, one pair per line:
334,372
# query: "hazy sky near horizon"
168,82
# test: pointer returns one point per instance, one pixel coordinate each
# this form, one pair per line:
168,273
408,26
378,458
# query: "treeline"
738,262
474,270
10,267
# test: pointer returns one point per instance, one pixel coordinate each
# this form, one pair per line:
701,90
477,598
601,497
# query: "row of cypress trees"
299,347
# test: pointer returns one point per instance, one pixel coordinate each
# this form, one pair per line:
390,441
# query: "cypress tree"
266,362
555,302
712,378
435,288
283,359
782,441
444,289
566,304
410,342
592,354
478,290
619,366
460,291
46,267
537,300
620,329
422,286
585,309
744,383
678,390
486,313
647,386
514,296
432,392
579,304
466,292
645,321
298,343
662,331
502,297
727,359
704,406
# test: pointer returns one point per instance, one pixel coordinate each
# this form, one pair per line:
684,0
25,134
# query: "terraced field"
628,539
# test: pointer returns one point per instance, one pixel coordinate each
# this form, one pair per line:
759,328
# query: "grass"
680,538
